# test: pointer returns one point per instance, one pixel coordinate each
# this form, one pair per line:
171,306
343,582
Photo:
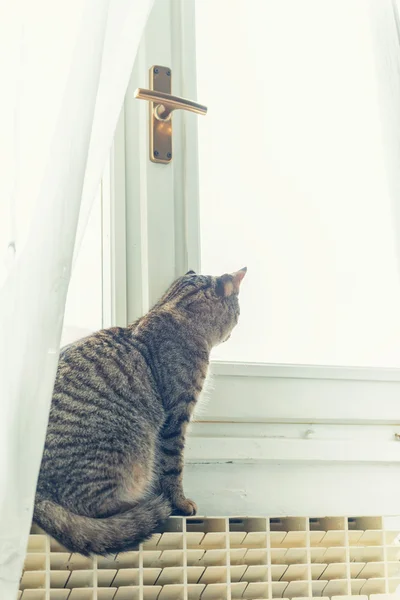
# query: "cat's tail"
86,535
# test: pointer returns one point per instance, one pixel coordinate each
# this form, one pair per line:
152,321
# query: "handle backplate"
161,105
160,131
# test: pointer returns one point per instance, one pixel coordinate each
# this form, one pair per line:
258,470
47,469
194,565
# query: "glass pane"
83,312
293,180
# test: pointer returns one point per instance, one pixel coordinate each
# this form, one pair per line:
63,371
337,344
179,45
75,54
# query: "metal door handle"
165,104
162,104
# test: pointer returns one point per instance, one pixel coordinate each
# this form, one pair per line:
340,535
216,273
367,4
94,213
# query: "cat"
111,470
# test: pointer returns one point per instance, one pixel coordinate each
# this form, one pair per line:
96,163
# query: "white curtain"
64,69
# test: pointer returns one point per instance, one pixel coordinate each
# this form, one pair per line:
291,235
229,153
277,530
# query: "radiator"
226,558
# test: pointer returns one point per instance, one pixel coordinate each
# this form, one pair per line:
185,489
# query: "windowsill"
262,393
288,371
292,443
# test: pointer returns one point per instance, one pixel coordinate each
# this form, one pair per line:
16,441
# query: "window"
296,433
293,180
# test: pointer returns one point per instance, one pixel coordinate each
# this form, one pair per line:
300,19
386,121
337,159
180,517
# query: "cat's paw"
184,506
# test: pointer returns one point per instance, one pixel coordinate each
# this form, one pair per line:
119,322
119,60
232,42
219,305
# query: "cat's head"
212,302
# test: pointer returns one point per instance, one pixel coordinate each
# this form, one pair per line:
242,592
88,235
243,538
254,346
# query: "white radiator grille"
224,559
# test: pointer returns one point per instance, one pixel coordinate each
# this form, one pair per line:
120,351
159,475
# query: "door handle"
162,104
165,104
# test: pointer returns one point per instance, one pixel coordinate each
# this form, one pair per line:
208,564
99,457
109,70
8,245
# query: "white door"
291,174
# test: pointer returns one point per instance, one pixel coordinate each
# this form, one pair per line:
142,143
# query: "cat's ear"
191,272
230,283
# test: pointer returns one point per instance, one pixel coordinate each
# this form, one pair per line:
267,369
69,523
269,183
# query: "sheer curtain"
64,69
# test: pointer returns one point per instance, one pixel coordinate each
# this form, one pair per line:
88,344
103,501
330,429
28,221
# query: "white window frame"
257,413
162,228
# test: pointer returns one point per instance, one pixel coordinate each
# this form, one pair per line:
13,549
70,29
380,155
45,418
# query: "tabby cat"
112,465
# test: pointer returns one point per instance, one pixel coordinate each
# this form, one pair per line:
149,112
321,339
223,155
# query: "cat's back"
104,408
103,382
110,341
110,359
